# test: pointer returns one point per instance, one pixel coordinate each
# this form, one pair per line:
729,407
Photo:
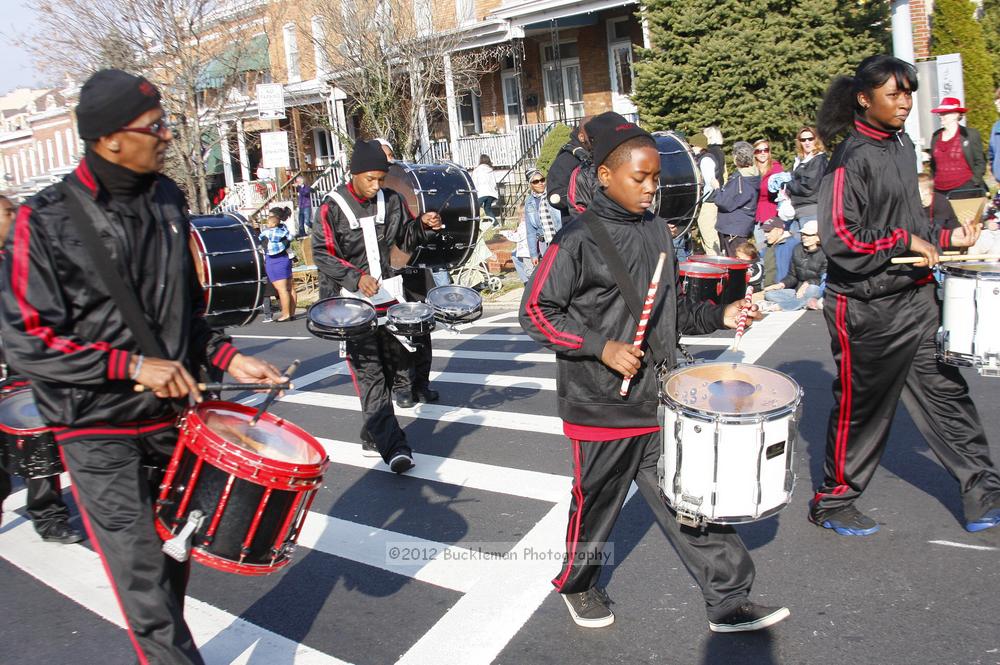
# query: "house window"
423,14
563,85
511,98
465,11
291,53
468,114
319,47
620,59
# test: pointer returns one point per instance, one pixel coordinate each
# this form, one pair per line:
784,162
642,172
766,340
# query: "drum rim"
727,261
32,431
323,326
712,270
732,418
452,307
296,476
411,305
959,269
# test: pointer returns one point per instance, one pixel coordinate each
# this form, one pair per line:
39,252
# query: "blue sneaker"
847,521
987,521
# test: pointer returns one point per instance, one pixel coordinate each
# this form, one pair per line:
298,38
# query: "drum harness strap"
634,304
394,285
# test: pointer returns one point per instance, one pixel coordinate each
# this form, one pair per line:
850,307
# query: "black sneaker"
60,532
368,447
401,463
749,616
426,394
590,608
404,400
846,521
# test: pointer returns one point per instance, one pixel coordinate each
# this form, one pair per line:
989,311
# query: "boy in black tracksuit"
883,317
572,305
342,256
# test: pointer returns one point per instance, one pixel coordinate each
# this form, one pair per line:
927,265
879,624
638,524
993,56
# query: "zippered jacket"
62,330
573,306
869,207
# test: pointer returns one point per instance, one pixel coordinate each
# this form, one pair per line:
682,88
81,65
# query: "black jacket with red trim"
62,330
869,206
339,250
573,306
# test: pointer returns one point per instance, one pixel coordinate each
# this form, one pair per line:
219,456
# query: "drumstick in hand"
218,387
647,309
741,323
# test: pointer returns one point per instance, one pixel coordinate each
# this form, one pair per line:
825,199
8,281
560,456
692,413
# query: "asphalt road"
450,563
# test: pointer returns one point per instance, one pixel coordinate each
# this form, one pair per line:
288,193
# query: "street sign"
270,101
274,150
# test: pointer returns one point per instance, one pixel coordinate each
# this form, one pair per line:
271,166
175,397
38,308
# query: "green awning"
249,57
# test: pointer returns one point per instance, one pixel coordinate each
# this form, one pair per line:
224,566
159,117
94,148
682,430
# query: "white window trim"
510,75
290,39
565,62
319,49
623,98
477,118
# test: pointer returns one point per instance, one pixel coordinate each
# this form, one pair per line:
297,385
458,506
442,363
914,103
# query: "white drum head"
410,312
730,389
454,300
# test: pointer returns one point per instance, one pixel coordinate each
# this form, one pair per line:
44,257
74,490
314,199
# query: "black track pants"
115,494
44,502
374,361
885,350
602,474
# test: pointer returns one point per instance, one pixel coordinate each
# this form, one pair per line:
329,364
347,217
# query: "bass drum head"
453,303
679,194
18,411
266,439
229,267
448,190
341,318
730,389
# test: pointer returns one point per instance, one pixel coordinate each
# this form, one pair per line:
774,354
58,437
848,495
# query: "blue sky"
16,70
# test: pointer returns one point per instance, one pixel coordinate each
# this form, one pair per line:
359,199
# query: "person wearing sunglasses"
802,190
542,220
68,336
767,205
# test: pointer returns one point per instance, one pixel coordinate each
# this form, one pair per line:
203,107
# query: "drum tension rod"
272,394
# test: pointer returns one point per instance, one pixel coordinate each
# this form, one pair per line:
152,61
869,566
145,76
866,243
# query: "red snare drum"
27,447
736,283
701,282
254,485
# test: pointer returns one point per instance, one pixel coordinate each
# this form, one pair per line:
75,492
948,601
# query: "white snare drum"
410,319
455,304
970,318
729,435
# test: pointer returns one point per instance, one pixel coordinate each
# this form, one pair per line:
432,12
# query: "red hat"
950,105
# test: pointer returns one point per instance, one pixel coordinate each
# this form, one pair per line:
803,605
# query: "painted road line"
948,543
503,480
76,572
478,627
760,336
441,412
547,357
270,337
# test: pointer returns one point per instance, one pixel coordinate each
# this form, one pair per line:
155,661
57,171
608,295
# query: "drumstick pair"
647,309
219,387
741,323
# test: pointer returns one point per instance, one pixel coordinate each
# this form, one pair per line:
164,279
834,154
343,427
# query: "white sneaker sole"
403,462
763,622
588,623
370,453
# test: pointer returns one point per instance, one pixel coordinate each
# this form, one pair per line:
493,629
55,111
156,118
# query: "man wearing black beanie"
359,226
573,305
67,335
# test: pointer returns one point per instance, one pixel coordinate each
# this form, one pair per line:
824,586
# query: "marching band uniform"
882,320
343,255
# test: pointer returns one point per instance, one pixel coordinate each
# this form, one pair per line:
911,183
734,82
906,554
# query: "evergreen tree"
757,68
956,30
991,35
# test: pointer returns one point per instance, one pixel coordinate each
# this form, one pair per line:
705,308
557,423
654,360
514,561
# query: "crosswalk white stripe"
496,355
504,480
270,337
522,422
761,336
76,572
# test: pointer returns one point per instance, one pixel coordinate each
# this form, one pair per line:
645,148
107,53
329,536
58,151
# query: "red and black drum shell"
701,282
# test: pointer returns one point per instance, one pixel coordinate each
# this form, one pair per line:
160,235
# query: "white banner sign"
274,150
270,101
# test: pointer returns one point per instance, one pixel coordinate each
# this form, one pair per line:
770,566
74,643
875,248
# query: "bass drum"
448,190
230,269
679,195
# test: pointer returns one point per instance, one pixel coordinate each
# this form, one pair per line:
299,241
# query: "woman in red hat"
957,159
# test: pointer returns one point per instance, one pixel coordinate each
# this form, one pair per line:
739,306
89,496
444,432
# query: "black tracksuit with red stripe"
63,331
882,320
573,306
379,359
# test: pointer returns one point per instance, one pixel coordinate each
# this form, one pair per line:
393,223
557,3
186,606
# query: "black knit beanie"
608,131
110,100
368,156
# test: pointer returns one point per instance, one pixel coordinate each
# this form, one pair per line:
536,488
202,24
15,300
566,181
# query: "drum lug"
688,516
179,547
